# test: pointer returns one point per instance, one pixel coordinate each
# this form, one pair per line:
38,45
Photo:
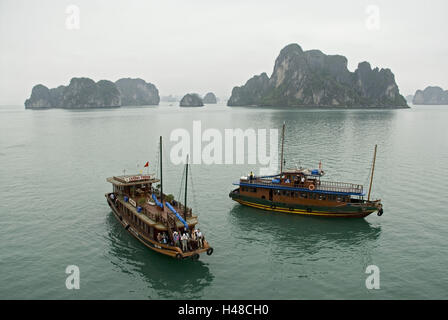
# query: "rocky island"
312,78
137,92
210,98
431,96
86,93
80,93
191,100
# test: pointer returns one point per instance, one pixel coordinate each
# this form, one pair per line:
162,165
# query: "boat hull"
345,211
171,251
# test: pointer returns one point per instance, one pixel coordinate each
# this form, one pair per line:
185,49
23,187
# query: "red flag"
146,165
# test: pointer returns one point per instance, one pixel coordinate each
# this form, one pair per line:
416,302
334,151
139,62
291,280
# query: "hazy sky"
199,46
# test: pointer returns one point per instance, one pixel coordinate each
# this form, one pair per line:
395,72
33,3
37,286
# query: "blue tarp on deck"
177,215
157,201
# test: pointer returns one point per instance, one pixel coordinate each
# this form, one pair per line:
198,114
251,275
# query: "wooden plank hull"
171,251
334,212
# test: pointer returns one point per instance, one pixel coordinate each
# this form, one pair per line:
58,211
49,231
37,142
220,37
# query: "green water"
53,166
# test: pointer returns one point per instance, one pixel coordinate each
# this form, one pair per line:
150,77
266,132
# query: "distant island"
191,100
431,96
314,79
210,98
169,98
137,92
86,93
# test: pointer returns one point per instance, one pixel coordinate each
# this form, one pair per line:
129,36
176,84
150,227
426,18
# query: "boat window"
254,189
303,195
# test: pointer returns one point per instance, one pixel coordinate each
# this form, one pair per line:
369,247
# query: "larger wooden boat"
152,218
301,191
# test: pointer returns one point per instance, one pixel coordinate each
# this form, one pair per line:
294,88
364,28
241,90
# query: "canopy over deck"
131,180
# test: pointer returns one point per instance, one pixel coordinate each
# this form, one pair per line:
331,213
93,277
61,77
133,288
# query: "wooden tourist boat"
148,214
302,191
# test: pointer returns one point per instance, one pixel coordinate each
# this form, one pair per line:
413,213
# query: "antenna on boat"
283,142
186,184
371,176
161,177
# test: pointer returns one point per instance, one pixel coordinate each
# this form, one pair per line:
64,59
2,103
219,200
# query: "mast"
186,184
283,142
161,177
373,170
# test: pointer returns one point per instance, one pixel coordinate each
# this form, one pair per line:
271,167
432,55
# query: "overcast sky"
200,46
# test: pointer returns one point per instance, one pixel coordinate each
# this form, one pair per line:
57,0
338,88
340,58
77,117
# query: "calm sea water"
53,166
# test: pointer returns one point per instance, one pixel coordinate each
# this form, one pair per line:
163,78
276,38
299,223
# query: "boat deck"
340,188
158,217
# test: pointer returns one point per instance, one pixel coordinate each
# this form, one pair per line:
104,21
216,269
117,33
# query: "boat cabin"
297,186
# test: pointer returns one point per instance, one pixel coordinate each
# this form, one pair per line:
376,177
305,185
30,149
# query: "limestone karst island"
312,78
86,93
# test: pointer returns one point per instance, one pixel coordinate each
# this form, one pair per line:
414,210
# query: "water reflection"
294,235
169,278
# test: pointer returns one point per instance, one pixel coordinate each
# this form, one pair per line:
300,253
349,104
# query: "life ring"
209,251
380,212
178,256
311,187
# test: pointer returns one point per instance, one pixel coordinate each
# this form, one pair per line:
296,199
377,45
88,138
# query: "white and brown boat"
147,214
301,191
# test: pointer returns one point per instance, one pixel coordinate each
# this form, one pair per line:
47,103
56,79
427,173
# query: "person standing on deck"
176,239
184,240
200,238
194,241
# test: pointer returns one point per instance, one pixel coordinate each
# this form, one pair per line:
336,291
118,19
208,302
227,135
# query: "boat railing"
319,185
339,187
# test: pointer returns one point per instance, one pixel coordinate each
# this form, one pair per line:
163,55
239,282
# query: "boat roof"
131,180
305,171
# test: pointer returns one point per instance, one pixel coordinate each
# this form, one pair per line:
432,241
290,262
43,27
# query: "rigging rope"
157,161
367,180
192,188
182,186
